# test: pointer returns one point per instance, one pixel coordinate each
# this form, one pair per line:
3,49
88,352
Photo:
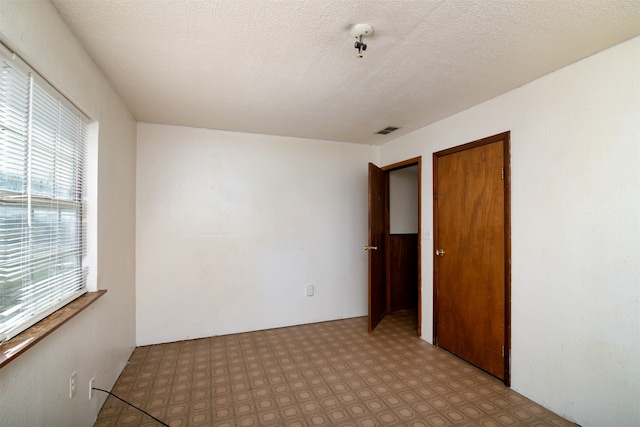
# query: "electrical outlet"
91,381
72,385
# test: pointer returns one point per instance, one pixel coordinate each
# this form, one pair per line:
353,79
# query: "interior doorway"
402,253
394,247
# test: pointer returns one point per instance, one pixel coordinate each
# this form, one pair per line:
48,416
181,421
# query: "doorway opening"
394,240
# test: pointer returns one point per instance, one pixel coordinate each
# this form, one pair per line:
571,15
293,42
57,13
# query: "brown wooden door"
377,210
470,278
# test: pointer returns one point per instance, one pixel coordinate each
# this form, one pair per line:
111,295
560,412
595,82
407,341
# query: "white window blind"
42,237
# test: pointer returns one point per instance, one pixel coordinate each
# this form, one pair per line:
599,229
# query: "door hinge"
503,174
502,351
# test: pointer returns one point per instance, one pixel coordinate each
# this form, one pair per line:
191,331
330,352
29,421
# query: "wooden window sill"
11,349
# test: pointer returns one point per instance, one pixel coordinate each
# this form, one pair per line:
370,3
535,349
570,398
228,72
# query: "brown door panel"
470,275
376,245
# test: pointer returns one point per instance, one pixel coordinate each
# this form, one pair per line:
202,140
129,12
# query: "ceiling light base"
361,30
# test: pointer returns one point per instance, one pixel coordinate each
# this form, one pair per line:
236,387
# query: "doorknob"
374,248
440,252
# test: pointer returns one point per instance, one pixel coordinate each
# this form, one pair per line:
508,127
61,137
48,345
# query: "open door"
375,246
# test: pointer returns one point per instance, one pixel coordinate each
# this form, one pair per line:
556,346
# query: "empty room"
319,212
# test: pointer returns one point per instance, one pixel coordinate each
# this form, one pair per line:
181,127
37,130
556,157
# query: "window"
42,238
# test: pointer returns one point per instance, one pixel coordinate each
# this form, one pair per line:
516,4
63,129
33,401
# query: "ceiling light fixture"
358,31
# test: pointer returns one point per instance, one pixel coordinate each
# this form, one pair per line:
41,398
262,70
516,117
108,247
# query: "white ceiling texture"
289,67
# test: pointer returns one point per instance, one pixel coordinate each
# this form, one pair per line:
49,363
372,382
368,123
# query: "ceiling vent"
387,130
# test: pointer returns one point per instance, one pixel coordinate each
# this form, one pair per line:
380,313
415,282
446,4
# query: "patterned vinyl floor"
323,374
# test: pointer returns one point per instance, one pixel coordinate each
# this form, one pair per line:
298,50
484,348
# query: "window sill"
11,349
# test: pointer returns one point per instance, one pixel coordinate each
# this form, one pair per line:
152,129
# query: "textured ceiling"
289,67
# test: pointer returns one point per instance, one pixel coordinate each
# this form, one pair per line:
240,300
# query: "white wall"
231,227
403,200
96,343
575,159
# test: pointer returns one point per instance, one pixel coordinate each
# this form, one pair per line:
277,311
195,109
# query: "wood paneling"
403,272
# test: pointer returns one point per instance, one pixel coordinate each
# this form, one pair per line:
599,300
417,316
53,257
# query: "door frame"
505,137
415,161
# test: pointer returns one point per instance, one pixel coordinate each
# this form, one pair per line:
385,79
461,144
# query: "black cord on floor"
141,410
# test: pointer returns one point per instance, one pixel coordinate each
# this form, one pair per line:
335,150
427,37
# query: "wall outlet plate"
91,381
72,385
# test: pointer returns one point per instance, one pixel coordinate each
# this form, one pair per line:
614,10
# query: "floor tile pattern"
323,374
